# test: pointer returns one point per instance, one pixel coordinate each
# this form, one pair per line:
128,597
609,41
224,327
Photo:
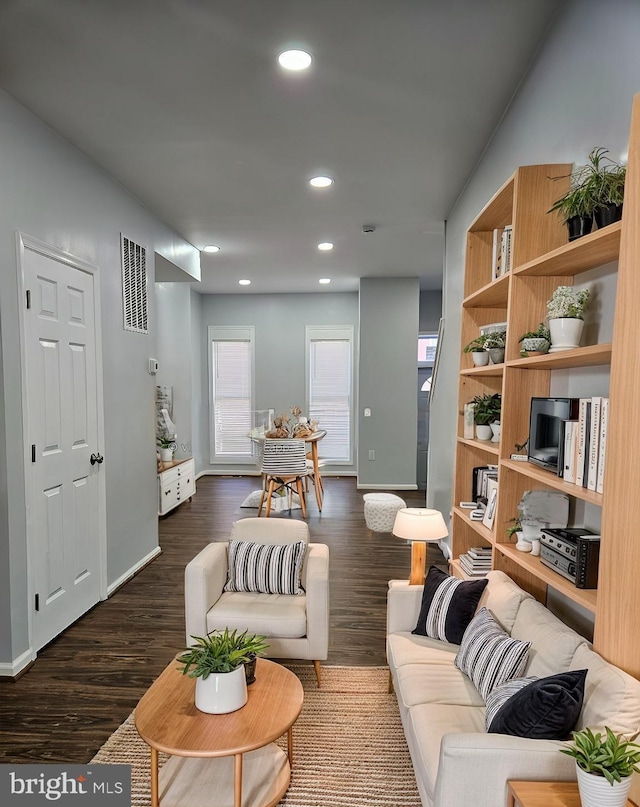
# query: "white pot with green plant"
167,446
604,764
217,662
478,353
495,344
565,311
486,411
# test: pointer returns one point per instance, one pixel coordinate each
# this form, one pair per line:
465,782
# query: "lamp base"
418,563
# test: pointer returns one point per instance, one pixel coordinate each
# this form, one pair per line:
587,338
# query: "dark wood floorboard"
86,682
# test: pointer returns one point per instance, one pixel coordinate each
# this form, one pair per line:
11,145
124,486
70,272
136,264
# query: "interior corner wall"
56,194
430,311
199,398
564,107
387,383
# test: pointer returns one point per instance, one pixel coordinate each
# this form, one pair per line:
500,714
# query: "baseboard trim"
388,486
133,571
257,474
13,670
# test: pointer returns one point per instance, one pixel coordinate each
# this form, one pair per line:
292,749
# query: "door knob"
96,458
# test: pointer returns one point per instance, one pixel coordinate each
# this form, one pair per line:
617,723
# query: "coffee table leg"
237,781
290,746
154,777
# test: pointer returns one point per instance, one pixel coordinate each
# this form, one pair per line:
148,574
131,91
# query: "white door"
63,486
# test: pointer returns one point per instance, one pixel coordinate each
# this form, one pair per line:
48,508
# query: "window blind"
232,404
330,383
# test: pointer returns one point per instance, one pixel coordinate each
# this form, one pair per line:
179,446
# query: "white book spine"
582,439
570,436
594,442
495,258
604,419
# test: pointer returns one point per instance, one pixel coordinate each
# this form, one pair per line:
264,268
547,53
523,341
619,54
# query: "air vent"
134,286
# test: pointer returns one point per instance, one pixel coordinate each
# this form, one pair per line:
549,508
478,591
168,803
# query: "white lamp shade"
419,524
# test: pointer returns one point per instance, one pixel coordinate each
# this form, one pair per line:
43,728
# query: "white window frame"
341,333
229,333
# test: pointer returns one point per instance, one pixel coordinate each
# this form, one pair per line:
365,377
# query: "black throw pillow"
547,709
448,605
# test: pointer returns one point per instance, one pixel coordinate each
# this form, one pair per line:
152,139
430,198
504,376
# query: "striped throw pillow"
501,694
265,568
488,655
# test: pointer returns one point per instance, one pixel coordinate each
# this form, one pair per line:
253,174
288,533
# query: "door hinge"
33,452
37,602
28,298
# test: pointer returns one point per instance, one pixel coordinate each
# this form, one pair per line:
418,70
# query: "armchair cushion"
270,615
265,568
448,605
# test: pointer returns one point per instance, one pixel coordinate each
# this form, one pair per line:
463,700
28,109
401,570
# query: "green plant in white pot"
217,662
485,412
167,447
477,349
495,344
604,764
565,312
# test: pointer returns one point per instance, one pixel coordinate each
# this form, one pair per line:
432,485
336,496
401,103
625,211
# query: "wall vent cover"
134,286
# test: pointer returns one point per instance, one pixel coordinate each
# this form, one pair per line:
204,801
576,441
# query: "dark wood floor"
86,682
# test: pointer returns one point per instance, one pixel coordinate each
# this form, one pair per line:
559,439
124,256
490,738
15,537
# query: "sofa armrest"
403,606
316,586
474,768
204,579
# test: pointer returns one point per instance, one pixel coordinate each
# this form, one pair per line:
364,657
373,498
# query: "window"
231,393
427,344
330,389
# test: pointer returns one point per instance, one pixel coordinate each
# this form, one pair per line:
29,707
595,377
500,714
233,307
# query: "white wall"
52,192
577,95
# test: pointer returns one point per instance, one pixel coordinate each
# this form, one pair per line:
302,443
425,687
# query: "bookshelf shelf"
493,295
590,356
595,249
488,371
585,597
477,526
483,445
552,481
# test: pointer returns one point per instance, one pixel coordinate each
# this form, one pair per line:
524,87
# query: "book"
584,416
604,419
594,442
470,568
570,438
505,249
496,255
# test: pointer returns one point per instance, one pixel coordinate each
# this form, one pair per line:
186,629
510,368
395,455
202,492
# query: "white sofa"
456,762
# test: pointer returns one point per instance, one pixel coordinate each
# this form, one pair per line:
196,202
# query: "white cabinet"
176,484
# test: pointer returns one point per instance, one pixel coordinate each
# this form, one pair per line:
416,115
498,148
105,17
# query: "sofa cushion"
429,723
283,615
503,598
435,683
553,644
405,648
448,605
546,709
499,696
488,655
612,696
265,568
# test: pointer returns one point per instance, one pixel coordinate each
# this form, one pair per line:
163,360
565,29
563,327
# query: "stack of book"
585,442
477,561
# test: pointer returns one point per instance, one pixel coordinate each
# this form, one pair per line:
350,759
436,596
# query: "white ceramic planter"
565,333
595,791
480,357
221,693
483,432
521,544
166,455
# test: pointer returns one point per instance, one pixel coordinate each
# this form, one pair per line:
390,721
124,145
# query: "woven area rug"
349,747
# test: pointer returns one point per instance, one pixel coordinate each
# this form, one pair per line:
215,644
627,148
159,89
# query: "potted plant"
217,662
604,765
565,311
254,645
486,411
495,343
516,530
477,349
576,209
536,343
167,447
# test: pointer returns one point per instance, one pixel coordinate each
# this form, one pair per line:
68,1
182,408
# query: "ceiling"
183,103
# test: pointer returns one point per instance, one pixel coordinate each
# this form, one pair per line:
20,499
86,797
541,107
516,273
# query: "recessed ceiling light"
325,246
321,182
294,59
244,282
324,280
211,248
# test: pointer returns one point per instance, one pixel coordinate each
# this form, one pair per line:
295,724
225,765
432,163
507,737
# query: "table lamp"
419,525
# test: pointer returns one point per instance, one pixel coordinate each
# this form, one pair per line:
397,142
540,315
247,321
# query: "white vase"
166,455
221,693
480,357
495,431
483,432
521,544
565,333
595,791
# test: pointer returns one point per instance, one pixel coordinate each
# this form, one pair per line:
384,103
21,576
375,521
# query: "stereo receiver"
573,552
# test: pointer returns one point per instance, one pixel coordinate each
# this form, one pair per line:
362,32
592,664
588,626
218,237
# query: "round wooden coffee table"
223,760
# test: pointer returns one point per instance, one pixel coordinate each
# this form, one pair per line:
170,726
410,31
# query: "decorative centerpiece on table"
218,663
297,426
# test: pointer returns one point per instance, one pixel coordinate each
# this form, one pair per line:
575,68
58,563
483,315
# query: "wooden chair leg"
270,491
318,490
264,492
316,664
303,500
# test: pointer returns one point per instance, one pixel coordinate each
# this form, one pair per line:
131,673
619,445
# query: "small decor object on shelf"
596,193
486,411
217,662
566,317
167,447
469,422
477,349
516,530
604,764
536,343
495,343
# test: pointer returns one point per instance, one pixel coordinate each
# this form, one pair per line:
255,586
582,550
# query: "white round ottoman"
380,510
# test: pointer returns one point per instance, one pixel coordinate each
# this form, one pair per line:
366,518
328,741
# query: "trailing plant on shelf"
541,332
537,341
487,409
611,755
497,339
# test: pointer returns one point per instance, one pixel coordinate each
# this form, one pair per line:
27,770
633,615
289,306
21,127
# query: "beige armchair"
296,625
